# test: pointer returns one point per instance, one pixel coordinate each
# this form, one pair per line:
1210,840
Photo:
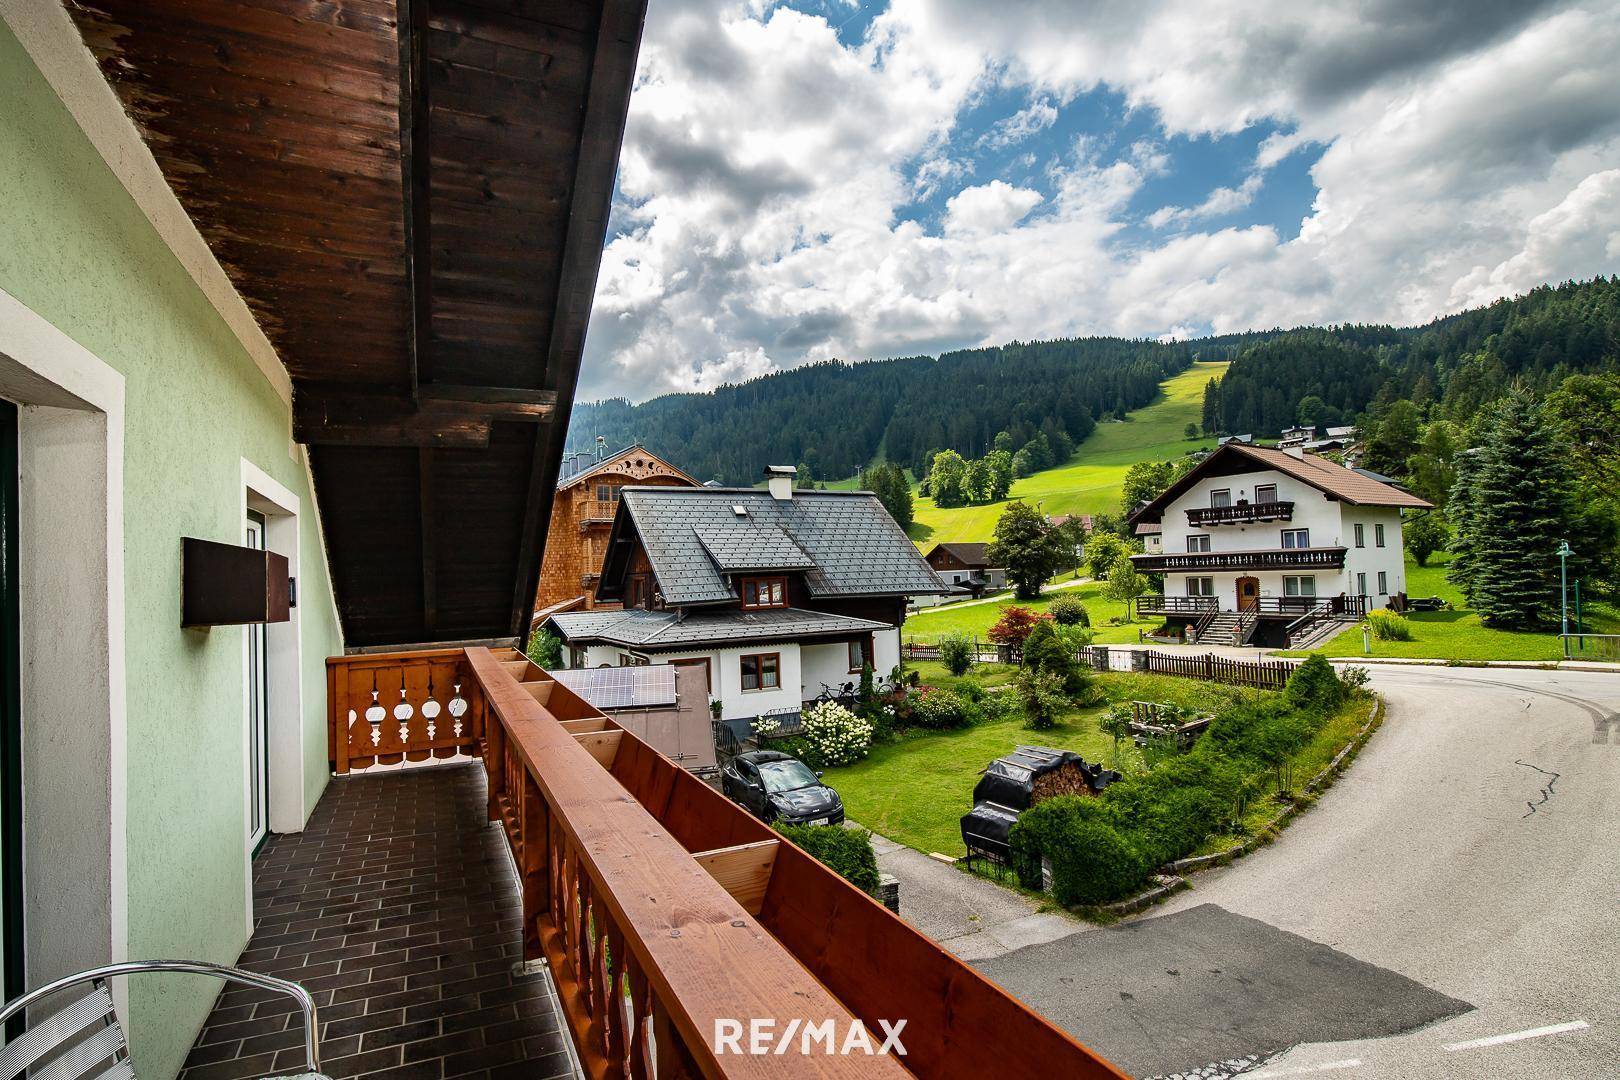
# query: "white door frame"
71,446
283,667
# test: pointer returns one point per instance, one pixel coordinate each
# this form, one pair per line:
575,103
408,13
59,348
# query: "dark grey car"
777,787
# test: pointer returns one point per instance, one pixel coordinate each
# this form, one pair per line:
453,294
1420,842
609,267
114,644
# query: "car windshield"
786,775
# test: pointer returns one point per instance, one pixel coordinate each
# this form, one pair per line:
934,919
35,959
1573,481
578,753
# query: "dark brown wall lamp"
227,585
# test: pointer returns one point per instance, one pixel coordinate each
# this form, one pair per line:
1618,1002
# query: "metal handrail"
306,1003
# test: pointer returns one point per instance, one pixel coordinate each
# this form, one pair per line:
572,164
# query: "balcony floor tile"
380,908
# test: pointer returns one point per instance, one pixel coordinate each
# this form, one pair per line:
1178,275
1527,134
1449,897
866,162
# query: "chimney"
780,481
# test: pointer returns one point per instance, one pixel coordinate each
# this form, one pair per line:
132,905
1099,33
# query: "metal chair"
84,1038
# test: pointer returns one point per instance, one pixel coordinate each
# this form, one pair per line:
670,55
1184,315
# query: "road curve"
1474,846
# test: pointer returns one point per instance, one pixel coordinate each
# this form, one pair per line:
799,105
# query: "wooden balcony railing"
1241,514
1328,558
1152,604
382,708
662,908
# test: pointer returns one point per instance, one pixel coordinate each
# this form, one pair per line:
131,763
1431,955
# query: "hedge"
848,852
1092,860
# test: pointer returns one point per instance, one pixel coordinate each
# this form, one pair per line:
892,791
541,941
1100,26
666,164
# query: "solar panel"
611,688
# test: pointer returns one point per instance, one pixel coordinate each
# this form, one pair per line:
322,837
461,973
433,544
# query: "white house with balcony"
1261,546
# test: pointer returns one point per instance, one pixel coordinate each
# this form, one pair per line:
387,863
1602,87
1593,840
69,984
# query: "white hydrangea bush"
837,734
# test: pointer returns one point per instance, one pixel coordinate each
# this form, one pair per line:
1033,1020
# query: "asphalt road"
1471,855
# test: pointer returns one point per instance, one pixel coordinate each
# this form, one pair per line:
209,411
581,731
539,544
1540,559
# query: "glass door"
11,769
258,727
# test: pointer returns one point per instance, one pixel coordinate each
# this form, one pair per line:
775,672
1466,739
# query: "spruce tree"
1519,508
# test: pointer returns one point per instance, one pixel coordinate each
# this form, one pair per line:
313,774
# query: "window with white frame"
1383,582
1198,541
1378,535
1361,535
1265,493
1221,497
1361,584
1200,586
1296,538
1299,586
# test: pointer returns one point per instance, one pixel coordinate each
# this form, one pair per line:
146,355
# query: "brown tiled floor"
397,908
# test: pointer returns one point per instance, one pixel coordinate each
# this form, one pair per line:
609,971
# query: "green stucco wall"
75,248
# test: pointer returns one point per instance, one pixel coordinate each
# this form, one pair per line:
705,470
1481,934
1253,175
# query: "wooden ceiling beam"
607,101
504,402
416,163
444,416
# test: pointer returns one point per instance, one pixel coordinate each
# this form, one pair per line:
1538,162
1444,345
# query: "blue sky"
832,178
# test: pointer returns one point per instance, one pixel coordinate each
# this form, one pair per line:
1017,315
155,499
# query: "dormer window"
764,592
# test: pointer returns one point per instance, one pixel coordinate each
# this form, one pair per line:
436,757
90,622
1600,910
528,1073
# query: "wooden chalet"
582,515
411,199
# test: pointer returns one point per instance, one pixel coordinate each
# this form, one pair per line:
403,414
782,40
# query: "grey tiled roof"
752,547
640,629
853,545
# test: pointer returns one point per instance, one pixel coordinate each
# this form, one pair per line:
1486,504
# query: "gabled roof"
968,554
636,628
846,543
635,452
752,547
1332,479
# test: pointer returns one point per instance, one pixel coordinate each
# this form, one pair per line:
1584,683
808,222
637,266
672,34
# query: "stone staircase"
1228,628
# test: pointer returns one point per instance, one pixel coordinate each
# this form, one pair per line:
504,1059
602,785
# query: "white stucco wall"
804,670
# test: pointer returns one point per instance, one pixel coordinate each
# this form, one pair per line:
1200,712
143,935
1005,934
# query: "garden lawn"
930,624
1458,634
1091,481
915,791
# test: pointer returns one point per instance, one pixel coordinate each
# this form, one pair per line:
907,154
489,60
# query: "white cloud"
991,207
770,175
1030,120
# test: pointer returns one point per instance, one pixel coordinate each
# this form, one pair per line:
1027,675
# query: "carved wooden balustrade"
661,908
383,708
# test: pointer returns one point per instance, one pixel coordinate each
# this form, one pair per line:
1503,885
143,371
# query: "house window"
761,671
860,654
1361,535
1378,536
1200,586
607,493
1299,586
1383,583
1265,493
1361,584
1198,542
630,660
1296,538
1221,497
576,656
766,592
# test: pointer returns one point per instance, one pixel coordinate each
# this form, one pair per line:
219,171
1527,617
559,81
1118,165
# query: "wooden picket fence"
1260,674
984,652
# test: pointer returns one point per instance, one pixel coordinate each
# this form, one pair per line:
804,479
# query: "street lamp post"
1563,554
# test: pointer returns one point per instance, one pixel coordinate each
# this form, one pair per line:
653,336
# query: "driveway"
970,916
1449,905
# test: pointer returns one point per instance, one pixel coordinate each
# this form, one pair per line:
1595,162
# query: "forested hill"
836,416
1448,368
